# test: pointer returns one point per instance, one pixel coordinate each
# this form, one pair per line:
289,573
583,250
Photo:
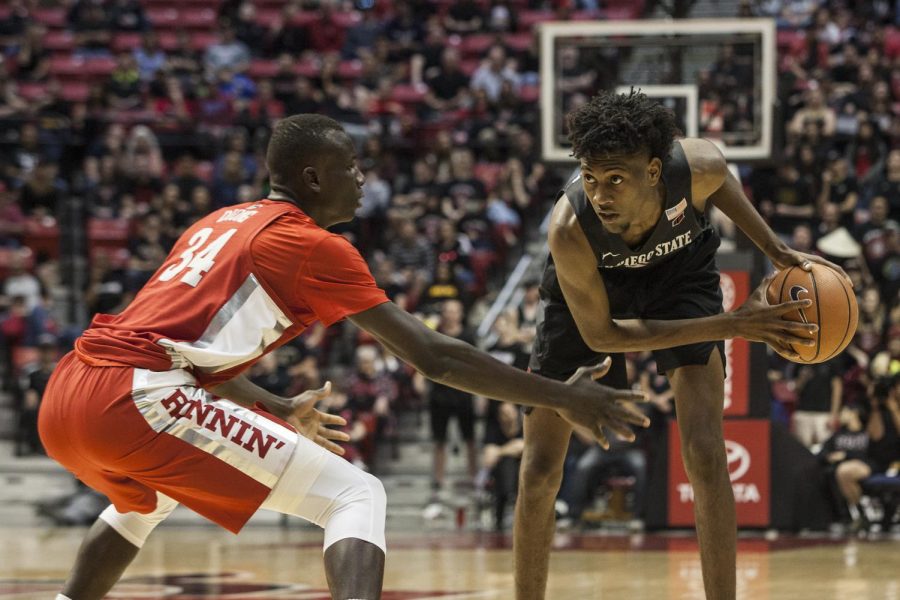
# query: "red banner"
735,290
747,450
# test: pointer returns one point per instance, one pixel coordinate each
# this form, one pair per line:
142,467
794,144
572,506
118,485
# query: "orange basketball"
833,308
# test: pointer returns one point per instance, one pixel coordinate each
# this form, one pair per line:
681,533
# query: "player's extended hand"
602,407
759,321
313,424
793,258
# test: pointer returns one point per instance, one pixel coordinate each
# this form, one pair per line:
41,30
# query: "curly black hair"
621,124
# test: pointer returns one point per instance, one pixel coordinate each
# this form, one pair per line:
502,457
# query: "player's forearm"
241,390
461,366
732,201
634,335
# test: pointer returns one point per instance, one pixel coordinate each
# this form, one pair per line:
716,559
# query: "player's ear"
654,171
311,179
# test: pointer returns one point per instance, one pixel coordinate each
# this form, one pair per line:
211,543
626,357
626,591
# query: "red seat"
32,91
349,69
59,41
476,45
197,18
530,93
42,236
75,91
408,94
529,18
262,69
268,17
518,42
51,17
107,233
201,40
126,41
468,67
163,18
347,19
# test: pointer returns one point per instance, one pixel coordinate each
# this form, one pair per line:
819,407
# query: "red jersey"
239,283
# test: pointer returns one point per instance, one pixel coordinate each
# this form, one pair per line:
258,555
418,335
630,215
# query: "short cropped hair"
621,124
297,140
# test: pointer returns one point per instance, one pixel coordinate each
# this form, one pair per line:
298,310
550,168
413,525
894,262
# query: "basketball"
833,308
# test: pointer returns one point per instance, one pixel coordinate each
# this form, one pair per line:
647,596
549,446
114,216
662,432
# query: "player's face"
342,180
622,189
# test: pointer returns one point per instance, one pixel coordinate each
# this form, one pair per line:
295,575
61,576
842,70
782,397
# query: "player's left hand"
793,258
313,424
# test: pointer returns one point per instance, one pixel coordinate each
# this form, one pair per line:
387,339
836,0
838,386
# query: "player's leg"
546,441
349,504
699,402
109,547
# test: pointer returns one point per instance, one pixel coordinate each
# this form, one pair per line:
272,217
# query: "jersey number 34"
197,261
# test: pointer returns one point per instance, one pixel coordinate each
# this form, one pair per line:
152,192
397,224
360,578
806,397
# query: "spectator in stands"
445,403
12,219
26,154
231,177
867,151
183,61
501,456
228,52
32,58
849,444
887,184
246,28
43,190
463,187
445,285
820,389
123,88
149,57
148,249
304,97
447,85
875,236
107,286
404,32
883,449
92,27
839,187
464,17
361,36
286,35
491,74
270,374
33,382
370,394
20,283
327,36
412,255
816,112
128,15
872,320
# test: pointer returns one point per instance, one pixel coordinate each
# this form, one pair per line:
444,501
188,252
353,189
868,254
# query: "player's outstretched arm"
457,364
586,297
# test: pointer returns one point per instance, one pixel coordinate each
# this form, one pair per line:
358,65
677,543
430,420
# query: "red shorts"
130,432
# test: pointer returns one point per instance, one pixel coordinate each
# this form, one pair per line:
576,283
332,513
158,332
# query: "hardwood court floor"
203,563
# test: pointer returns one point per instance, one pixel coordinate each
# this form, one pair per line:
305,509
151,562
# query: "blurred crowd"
151,113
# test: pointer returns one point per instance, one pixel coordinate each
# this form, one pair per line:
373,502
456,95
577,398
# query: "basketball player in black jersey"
632,267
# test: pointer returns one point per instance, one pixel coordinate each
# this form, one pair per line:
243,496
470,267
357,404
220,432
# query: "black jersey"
680,224
672,275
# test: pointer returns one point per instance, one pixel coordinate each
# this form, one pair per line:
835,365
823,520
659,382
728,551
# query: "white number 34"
199,263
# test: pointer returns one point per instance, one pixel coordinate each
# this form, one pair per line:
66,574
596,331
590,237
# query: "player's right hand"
597,407
314,424
759,321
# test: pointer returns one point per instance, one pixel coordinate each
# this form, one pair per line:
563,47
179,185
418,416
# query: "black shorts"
445,403
684,287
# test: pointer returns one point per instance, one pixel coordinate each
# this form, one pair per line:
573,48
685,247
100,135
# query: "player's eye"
616,179
589,179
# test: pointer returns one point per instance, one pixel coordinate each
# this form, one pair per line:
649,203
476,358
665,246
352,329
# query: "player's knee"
136,527
539,476
704,457
358,512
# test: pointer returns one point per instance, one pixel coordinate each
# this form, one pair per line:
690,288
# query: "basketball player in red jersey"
632,267
152,409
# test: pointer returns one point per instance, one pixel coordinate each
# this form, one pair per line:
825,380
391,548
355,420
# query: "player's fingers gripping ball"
833,308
